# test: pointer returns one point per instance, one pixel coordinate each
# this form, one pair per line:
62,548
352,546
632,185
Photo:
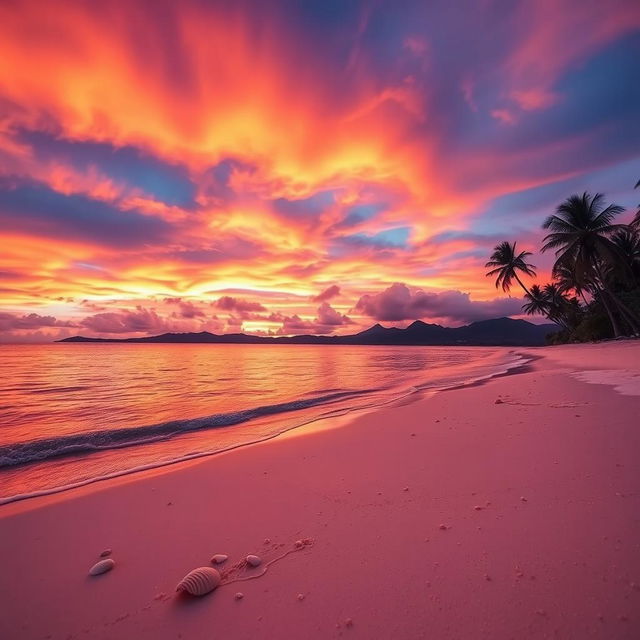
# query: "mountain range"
496,332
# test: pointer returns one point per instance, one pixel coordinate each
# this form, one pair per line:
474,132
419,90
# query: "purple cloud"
327,294
398,303
229,303
139,321
12,321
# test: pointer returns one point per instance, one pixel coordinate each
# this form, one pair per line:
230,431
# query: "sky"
285,167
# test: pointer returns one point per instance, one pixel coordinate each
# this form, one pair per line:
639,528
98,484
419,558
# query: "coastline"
551,550
248,424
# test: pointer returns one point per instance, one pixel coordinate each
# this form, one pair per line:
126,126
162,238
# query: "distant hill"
497,332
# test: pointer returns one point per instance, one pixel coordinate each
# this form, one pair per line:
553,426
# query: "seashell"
199,581
102,567
105,553
239,595
254,561
219,558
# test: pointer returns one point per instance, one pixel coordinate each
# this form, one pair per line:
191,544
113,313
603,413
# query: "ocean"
71,414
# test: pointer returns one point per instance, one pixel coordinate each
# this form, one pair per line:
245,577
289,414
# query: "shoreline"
342,416
552,546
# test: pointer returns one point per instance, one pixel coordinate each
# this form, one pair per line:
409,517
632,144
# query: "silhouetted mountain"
497,332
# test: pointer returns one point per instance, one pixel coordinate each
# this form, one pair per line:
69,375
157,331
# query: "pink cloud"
398,303
327,294
12,321
329,317
229,303
125,321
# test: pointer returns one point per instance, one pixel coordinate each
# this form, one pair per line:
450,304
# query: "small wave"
517,363
44,449
59,389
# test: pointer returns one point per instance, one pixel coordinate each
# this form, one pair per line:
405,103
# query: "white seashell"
199,581
219,558
102,567
254,561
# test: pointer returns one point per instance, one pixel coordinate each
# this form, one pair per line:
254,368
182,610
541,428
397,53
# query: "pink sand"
553,550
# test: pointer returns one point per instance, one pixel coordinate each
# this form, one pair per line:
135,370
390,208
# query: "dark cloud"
310,207
168,183
398,303
36,209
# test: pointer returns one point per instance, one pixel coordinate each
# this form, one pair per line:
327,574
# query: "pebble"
478,507
523,499
299,544
443,527
105,553
239,595
301,596
254,561
219,558
498,401
267,540
349,622
406,489
102,567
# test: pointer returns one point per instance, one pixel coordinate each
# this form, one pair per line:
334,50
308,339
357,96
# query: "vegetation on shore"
595,289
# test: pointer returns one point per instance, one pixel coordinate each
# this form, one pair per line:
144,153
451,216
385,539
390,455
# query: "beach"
508,509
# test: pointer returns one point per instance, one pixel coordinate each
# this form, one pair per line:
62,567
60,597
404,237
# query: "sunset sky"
296,166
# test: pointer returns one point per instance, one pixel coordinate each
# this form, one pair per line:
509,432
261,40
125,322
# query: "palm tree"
558,304
566,281
507,263
580,233
627,241
537,302
636,220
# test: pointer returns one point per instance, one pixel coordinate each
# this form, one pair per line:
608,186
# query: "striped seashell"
200,581
102,567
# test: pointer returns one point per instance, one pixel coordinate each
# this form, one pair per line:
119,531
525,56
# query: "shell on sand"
254,561
219,558
102,567
200,581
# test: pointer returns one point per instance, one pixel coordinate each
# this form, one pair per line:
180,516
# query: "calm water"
73,413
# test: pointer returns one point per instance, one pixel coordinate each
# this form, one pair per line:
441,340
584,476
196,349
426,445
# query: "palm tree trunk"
520,283
605,304
626,313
